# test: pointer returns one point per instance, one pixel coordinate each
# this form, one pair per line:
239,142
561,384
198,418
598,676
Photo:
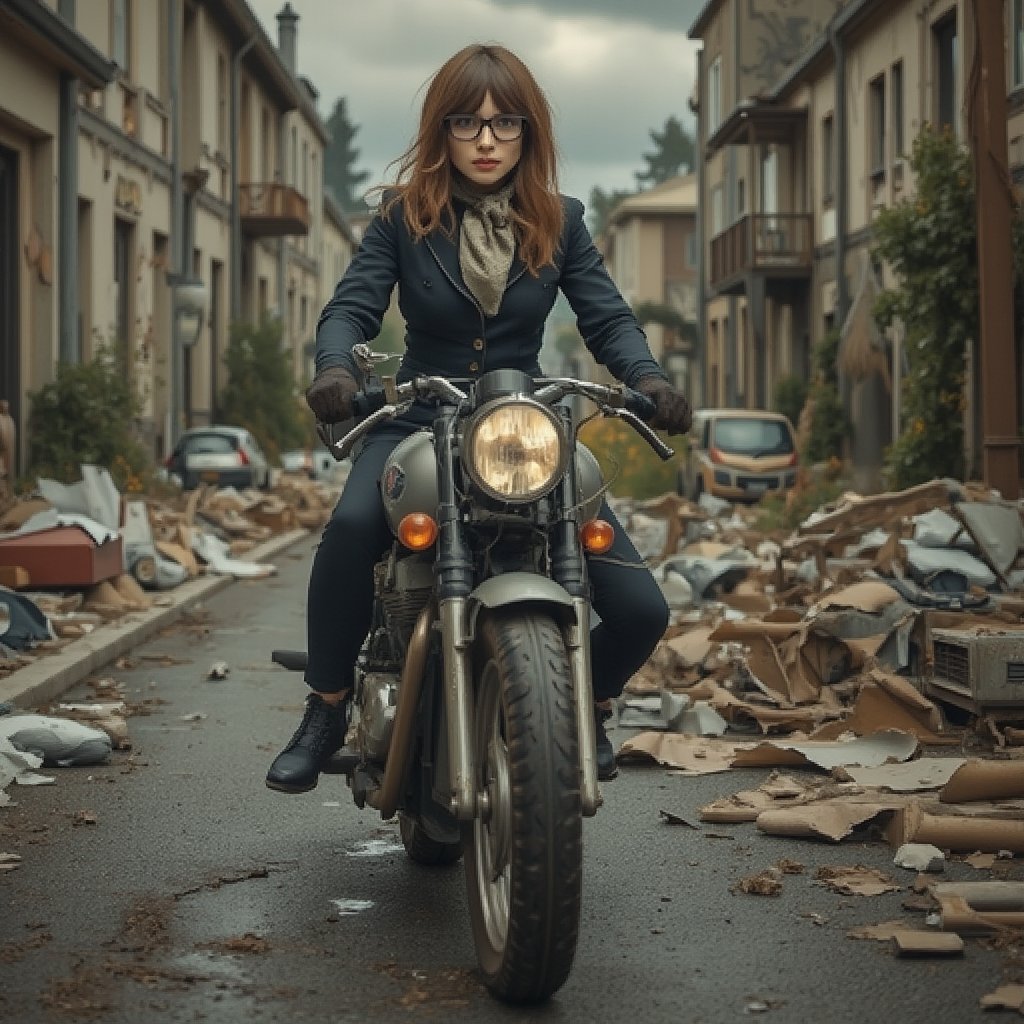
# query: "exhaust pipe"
385,799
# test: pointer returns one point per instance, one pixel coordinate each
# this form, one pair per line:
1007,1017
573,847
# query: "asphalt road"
171,885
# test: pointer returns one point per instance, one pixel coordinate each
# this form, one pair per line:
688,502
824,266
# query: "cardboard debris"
874,749
978,908
922,773
1006,997
694,756
828,819
984,780
856,880
886,700
960,832
915,942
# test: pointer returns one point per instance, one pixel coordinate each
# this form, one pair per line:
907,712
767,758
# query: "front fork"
467,800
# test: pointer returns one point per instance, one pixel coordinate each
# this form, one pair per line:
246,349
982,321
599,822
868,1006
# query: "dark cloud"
674,15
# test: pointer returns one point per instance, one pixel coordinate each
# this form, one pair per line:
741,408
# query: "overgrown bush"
627,462
930,243
260,394
790,395
830,424
87,414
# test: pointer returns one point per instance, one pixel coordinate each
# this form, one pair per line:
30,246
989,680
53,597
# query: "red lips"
485,165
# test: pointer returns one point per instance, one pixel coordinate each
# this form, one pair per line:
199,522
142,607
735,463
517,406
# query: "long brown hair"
425,171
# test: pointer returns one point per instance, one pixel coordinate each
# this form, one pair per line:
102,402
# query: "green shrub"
830,424
260,394
790,395
87,414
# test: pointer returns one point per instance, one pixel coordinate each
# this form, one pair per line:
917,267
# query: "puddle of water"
348,907
207,963
375,848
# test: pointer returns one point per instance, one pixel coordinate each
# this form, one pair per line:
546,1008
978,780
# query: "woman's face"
485,160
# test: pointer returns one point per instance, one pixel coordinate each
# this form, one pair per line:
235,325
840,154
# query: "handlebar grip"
640,405
367,402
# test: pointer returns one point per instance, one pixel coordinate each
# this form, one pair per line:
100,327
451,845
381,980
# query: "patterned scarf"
486,243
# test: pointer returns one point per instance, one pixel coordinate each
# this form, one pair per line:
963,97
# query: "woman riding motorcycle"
477,238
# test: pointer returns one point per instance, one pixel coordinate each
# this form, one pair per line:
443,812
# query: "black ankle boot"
606,766
322,732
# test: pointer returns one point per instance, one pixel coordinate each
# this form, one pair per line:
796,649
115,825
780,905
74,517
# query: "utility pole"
995,211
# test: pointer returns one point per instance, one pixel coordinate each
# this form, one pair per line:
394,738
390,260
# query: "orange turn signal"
596,536
417,531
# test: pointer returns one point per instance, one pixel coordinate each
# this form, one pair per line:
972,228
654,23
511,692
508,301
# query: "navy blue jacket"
447,333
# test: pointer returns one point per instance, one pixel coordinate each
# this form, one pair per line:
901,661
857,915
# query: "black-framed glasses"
467,127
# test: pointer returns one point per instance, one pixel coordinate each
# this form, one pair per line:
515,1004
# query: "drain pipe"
175,409
697,393
236,216
842,198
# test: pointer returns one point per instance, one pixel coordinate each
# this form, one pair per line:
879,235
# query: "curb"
53,674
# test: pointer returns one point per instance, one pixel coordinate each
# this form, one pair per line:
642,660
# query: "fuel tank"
409,480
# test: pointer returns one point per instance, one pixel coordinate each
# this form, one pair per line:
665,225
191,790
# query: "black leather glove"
672,410
330,394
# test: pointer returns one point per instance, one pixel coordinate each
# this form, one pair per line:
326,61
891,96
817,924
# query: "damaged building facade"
807,113
161,178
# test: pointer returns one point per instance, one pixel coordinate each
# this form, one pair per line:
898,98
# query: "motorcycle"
472,710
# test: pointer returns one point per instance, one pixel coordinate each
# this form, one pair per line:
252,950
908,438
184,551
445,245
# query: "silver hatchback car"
221,455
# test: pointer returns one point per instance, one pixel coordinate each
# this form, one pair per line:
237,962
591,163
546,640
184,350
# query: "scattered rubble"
877,653
73,557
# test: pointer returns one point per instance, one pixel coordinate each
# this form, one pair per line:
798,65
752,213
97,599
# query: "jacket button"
427,283
478,343
473,367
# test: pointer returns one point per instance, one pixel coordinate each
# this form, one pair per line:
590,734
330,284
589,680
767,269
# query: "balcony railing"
273,209
776,244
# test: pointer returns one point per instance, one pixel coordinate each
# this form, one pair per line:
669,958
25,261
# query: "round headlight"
514,450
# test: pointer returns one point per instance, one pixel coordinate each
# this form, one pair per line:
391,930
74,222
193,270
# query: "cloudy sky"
612,70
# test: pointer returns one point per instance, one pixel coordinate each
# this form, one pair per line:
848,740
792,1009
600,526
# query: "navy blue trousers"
627,599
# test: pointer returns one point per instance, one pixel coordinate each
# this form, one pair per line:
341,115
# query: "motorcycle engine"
378,699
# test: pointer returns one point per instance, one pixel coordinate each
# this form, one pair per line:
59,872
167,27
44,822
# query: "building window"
717,210
1017,42
222,103
691,249
828,159
120,33
266,142
876,126
896,87
714,95
945,40
123,263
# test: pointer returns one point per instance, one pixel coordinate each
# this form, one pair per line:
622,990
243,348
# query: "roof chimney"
286,33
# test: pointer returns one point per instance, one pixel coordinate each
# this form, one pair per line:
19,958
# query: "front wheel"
524,856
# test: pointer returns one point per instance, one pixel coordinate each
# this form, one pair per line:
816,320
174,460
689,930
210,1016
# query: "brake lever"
662,450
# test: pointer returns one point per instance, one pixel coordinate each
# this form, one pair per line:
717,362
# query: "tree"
340,156
673,155
668,317
601,205
260,394
930,243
